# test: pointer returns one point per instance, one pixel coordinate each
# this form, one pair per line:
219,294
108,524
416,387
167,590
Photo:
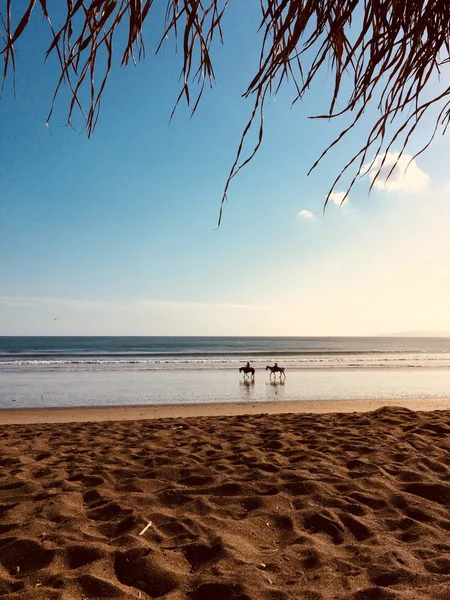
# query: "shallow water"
112,388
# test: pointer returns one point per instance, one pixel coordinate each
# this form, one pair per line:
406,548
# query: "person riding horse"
247,370
276,369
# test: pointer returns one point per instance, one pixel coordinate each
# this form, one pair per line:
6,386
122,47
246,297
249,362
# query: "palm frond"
390,49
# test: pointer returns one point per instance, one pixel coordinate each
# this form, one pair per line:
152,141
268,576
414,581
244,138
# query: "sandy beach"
139,412
348,505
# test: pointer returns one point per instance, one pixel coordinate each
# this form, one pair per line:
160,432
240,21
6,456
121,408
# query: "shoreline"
83,414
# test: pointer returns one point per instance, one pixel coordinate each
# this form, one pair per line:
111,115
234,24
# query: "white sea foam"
342,361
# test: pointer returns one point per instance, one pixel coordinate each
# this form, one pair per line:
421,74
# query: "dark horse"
276,369
247,371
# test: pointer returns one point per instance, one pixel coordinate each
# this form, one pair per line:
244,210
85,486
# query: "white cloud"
139,305
34,315
338,198
406,176
306,215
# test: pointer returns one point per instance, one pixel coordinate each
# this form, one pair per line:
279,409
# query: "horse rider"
247,365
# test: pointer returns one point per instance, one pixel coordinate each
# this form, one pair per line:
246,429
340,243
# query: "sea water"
87,371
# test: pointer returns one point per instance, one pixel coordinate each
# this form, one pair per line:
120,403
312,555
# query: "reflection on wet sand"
275,389
130,388
247,389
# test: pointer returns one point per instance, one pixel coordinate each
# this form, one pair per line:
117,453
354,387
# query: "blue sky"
117,235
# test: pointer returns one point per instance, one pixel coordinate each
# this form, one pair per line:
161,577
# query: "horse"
276,369
247,371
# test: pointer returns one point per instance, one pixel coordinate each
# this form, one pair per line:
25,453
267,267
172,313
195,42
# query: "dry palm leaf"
391,50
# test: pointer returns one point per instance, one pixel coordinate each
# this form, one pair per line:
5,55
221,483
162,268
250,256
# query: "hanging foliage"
390,51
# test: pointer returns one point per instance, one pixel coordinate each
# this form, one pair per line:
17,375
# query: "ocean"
79,371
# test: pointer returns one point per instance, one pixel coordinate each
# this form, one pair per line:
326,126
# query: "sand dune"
314,507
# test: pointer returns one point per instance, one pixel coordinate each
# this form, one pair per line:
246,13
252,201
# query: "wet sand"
134,412
265,506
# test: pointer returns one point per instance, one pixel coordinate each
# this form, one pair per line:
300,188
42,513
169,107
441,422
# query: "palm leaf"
390,49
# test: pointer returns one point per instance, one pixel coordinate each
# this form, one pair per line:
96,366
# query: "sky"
116,235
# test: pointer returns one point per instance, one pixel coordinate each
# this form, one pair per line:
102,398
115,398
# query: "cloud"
306,215
38,315
175,305
338,198
406,176
139,305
